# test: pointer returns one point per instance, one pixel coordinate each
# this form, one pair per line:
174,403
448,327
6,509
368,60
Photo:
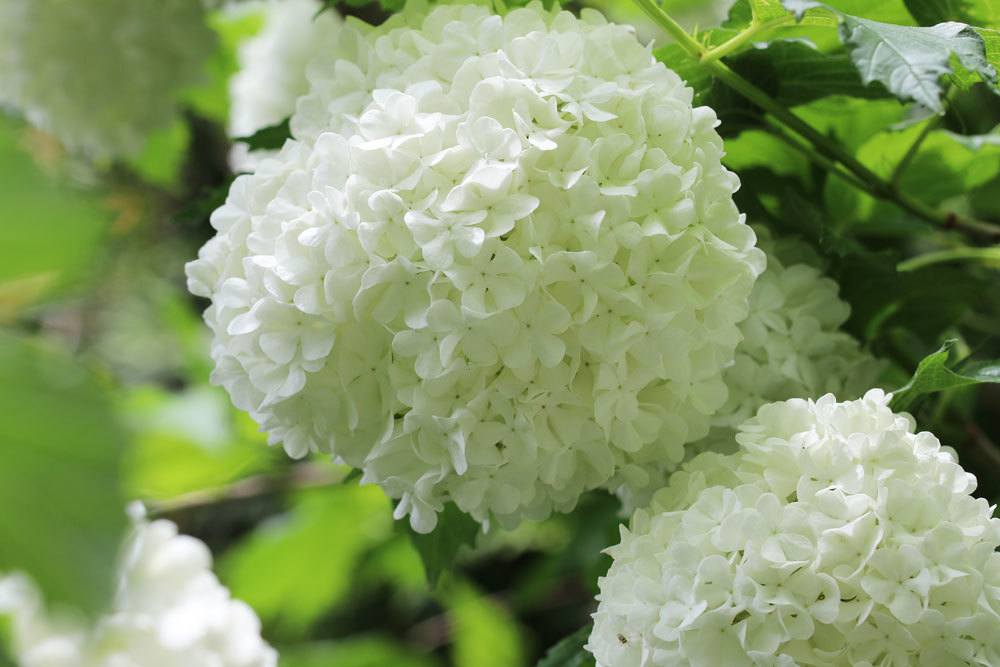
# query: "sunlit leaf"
483,632
354,652
50,230
933,375
294,568
64,514
757,148
188,441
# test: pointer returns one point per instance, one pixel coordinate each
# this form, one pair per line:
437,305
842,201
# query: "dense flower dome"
500,261
100,75
836,536
169,610
793,346
272,74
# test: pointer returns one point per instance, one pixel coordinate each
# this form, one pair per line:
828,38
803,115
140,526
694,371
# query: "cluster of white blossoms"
499,261
837,536
169,610
792,347
272,74
100,75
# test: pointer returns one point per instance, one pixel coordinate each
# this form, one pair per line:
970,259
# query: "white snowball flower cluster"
792,346
501,261
836,536
100,75
169,610
272,74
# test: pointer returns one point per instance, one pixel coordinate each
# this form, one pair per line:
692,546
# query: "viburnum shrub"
168,610
498,262
836,536
95,109
503,283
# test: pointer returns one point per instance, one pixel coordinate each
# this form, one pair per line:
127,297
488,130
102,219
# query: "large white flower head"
272,73
837,536
793,346
100,75
501,261
169,610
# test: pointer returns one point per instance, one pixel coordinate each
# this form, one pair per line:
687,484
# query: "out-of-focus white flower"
168,610
836,536
792,346
100,75
500,262
272,74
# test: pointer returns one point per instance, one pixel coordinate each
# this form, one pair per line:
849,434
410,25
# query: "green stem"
825,146
989,256
297,476
672,27
817,158
911,152
744,36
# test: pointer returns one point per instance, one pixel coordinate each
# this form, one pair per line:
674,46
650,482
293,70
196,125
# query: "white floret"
793,346
100,75
272,74
836,536
499,262
168,610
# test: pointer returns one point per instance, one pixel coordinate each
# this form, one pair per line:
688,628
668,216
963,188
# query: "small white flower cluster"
272,73
100,75
169,610
500,261
792,347
836,536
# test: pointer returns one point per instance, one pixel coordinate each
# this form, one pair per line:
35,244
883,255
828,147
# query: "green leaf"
795,73
59,483
930,12
210,98
570,651
484,633
851,121
767,10
5,642
792,72
269,138
944,167
50,230
188,441
911,61
294,568
933,375
757,148
887,11
984,13
438,548
354,652
991,44
162,156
